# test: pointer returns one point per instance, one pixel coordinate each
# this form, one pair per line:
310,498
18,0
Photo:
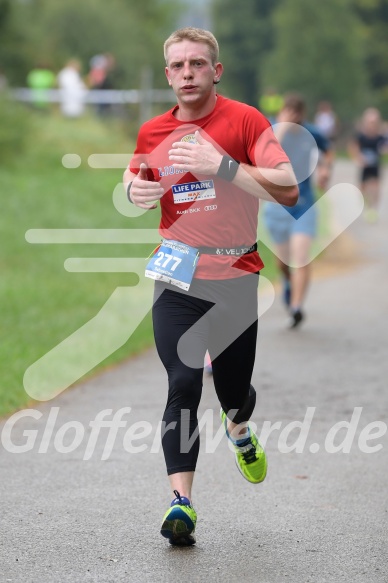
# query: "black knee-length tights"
219,316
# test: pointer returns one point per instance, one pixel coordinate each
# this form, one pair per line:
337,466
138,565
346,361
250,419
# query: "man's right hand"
144,192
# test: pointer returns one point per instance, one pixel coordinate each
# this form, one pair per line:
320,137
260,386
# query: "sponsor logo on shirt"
191,191
189,211
189,138
169,170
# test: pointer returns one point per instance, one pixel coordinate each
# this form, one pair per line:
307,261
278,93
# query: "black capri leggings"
218,316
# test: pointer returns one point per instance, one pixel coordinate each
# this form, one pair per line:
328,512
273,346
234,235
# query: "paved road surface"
319,517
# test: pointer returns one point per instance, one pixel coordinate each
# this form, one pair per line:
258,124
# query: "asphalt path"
321,514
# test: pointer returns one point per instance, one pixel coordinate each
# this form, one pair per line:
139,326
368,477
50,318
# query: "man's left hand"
199,158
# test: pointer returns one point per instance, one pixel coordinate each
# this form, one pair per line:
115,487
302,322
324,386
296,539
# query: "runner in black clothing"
366,149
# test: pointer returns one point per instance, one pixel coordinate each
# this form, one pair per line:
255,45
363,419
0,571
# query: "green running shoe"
179,522
251,460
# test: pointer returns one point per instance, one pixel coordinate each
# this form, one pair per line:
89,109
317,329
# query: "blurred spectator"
101,76
326,120
293,229
97,73
270,103
73,89
39,80
366,148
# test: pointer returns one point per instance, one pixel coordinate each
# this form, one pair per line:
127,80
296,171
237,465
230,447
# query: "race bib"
174,263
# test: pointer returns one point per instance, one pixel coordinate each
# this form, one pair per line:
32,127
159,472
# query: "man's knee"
244,413
185,388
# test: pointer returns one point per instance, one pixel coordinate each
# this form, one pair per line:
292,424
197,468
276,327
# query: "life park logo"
127,306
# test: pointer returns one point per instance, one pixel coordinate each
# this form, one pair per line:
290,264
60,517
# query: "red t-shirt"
207,210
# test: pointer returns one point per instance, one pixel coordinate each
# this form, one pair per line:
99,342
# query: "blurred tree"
374,17
42,30
245,33
5,7
14,52
319,52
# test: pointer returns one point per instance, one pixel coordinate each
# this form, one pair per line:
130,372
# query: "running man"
293,230
208,161
366,149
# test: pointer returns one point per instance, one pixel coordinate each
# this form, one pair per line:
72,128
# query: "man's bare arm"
143,192
275,184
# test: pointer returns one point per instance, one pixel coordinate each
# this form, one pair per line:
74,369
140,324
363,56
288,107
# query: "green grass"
42,302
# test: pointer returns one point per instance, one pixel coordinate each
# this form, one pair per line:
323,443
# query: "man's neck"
192,113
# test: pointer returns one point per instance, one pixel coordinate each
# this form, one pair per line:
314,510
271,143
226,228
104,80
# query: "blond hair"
197,35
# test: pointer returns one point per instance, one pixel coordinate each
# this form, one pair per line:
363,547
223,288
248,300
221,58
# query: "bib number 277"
174,262
166,259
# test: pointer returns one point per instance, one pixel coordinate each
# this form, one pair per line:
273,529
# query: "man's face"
190,71
371,123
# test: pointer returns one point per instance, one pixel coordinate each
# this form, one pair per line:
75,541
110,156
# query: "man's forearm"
273,184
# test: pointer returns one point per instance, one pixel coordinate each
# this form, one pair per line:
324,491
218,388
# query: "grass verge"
43,303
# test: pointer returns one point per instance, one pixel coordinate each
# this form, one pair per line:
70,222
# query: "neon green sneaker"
179,522
251,460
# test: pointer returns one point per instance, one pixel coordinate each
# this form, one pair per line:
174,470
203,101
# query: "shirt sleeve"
140,154
264,150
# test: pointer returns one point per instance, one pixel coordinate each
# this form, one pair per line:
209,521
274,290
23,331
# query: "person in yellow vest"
270,103
40,79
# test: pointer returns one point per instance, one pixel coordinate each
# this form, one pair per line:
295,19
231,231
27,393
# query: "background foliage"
335,50
43,31
311,53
